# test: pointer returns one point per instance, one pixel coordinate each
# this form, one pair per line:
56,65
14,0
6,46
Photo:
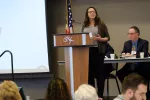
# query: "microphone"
73,21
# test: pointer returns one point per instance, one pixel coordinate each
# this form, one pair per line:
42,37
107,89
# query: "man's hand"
126,54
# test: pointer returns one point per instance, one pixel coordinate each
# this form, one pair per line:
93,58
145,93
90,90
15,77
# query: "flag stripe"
69,25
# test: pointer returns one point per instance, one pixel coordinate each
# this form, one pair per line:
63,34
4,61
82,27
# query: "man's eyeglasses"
131,33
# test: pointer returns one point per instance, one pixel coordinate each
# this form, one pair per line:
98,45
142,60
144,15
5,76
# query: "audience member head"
133,33
9,91
134,87
86,92
57,90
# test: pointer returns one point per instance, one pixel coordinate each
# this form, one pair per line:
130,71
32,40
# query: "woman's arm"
100,39
105,32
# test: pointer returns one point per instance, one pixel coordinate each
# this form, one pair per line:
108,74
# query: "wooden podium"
76,48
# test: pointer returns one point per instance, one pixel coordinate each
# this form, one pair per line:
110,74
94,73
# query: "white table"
120,60
123,60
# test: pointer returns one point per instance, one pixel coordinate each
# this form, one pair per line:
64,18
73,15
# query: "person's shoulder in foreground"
119,97
134,87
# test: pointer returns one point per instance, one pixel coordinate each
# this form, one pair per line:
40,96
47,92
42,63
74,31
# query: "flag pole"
66,27
66,12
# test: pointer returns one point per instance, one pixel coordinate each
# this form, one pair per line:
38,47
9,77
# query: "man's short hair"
136,29
132,81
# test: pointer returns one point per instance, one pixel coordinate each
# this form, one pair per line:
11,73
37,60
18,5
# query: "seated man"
134,87
133,47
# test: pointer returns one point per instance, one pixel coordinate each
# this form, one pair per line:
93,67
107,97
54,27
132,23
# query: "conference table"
119,60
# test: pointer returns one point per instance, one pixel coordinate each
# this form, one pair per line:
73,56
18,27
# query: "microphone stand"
12,67
73,21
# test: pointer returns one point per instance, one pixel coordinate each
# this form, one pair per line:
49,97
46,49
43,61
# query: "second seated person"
93,23
134,45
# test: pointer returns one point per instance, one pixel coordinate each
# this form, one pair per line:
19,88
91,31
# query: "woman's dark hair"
101,25
87,20
57,90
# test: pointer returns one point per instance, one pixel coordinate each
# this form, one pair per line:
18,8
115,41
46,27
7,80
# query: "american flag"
69,26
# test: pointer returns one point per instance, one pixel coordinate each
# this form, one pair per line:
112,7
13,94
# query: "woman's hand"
97,38
100,39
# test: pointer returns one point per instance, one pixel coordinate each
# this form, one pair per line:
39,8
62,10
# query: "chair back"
115,65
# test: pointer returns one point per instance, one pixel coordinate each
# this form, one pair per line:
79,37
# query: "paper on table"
130,57
90,34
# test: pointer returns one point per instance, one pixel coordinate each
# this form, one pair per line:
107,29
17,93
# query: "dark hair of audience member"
57,90
132,81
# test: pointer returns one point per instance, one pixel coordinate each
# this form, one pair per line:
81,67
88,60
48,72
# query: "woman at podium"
99,36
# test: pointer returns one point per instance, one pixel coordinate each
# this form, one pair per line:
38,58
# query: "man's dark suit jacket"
141,68
142,46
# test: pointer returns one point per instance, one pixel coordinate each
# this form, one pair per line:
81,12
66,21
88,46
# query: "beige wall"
118,15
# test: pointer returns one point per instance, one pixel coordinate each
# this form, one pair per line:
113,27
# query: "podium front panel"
65,40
